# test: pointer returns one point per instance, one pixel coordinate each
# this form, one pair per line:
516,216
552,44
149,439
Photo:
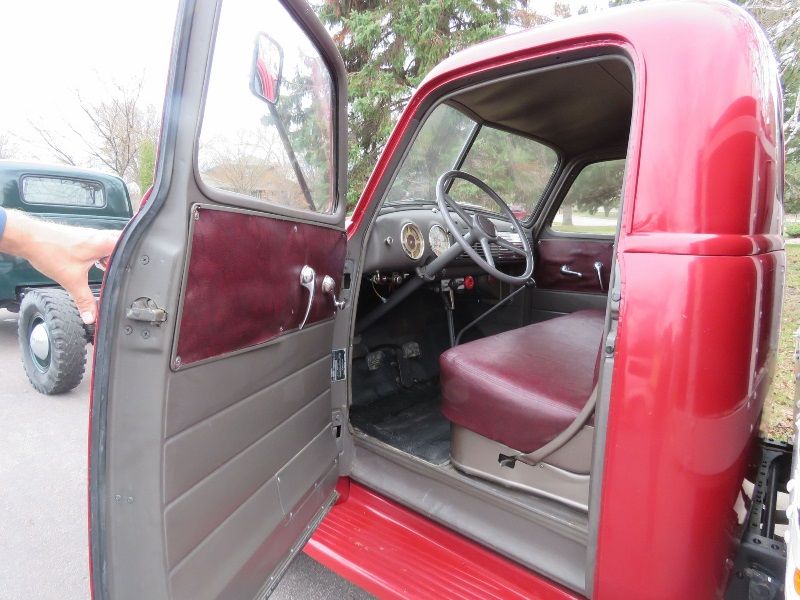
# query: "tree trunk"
566,214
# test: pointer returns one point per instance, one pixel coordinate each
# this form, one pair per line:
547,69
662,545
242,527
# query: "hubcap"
39,342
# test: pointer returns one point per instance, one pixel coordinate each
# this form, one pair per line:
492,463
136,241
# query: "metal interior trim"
601,422
533,541
565,520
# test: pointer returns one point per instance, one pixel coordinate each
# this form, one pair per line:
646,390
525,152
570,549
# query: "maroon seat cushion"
523,387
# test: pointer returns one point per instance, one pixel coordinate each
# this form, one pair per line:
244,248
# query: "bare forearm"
61,252
27,237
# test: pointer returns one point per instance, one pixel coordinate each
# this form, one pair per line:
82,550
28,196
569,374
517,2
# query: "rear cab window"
62,191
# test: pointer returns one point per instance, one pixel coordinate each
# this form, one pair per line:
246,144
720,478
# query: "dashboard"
404,238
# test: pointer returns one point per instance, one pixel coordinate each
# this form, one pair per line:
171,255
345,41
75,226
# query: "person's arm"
61,252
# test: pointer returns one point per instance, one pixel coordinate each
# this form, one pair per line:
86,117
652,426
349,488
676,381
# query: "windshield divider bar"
462,156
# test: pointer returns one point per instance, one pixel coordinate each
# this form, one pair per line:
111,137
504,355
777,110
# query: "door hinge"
145,309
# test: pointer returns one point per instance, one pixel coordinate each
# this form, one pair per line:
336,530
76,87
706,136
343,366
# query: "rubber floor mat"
411,422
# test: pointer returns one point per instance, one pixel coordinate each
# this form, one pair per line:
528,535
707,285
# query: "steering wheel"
481,229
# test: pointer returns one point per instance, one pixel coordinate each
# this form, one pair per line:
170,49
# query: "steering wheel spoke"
509,246
453,205
487,251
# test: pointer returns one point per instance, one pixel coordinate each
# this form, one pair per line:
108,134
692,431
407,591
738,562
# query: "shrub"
792,230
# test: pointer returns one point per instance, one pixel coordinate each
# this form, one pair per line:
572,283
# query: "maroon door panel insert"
576,255
243,285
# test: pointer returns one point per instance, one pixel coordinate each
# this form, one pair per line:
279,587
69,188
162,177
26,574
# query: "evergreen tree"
388,46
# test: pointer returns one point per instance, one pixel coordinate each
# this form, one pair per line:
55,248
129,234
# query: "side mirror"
265,74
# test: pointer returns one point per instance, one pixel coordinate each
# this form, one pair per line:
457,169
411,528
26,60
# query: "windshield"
518,168
436,150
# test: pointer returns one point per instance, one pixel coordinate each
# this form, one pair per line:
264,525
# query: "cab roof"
17,168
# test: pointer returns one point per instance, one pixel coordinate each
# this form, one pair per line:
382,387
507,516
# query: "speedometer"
439,239
412,241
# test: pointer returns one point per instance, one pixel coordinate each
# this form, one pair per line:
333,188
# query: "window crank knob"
329,287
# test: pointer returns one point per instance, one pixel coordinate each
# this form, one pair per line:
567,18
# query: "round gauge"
439,239
412,241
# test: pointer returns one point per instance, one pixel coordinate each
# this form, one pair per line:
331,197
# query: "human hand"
61,252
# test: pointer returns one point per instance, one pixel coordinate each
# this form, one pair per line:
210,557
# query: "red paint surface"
393,552
693,362
700,258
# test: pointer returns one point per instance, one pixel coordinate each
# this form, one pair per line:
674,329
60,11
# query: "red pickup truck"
534,363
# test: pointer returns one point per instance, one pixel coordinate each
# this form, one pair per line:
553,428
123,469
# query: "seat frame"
563,476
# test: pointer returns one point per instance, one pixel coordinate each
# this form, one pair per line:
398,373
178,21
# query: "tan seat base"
477,455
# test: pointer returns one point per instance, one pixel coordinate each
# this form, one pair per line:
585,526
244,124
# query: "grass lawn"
777,420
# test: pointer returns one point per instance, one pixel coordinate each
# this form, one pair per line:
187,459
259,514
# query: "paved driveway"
43,546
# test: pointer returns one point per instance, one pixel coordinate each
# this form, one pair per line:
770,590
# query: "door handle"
329,287
598,268
307,279
565,270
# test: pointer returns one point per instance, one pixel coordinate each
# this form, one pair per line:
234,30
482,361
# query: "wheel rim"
39,343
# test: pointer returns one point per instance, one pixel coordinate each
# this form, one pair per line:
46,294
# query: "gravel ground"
43,545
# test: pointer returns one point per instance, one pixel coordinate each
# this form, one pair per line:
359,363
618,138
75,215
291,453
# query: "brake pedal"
375,360
411,350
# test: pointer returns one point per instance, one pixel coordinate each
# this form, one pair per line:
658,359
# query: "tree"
57,145
112,134
7,149
780,20
791,193
147,164
388,46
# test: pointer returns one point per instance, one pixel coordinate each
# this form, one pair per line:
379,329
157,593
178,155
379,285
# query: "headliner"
578,108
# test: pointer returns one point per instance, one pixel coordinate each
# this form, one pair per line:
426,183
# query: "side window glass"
592,203
267,129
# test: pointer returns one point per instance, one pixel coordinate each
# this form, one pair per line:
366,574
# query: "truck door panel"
557,292
213,455
578,255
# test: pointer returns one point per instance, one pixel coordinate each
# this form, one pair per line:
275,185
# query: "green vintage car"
52,337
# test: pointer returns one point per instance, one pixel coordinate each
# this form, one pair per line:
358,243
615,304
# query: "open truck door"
213,452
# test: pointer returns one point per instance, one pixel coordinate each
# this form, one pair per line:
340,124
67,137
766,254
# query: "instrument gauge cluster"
403,239
439,239
412,241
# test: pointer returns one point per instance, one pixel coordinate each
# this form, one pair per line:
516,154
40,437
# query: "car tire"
52,340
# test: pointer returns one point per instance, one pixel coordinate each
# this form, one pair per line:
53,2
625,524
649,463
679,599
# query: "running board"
393,552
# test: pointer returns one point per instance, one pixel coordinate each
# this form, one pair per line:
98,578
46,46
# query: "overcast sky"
54,49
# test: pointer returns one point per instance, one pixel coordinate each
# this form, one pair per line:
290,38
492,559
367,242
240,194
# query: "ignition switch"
460,283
